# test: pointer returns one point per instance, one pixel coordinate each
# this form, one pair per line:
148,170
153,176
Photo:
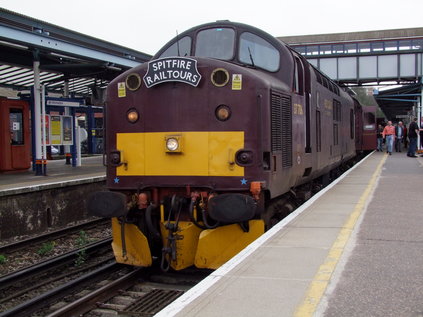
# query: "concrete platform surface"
354,249
57,172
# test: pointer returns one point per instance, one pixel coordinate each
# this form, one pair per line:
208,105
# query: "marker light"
223,113
132,115
115,158
244,157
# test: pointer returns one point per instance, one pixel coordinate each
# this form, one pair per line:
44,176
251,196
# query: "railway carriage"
213,141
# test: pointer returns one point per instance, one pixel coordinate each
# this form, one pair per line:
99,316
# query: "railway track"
17,287
141,292
110,290
53,235
18,255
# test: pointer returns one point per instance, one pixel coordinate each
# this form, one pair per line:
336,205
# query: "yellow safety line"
321,279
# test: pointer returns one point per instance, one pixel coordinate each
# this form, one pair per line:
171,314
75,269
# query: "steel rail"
9,279
50,235
34,304
89,301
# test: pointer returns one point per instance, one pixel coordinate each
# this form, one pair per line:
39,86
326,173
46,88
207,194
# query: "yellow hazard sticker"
236,81
298,109
121,90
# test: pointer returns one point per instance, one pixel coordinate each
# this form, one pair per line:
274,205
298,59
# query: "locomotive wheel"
276,211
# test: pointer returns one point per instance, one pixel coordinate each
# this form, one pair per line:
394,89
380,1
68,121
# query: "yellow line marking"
321,280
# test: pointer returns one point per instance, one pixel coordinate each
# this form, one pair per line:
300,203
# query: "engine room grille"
276,121
281,127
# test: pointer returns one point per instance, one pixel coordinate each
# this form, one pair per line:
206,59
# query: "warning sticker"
236,81
121,90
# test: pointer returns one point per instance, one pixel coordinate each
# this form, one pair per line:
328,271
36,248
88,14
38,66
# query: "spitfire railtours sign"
180,69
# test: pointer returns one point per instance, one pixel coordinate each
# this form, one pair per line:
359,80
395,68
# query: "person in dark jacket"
413,129
421,138
399,136
405,137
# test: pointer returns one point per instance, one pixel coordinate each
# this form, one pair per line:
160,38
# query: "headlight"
132,115
172,144
223,113
220,77
133,81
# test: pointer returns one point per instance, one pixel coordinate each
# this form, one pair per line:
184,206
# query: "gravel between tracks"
29,256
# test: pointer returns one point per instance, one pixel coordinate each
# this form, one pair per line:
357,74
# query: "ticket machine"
15,147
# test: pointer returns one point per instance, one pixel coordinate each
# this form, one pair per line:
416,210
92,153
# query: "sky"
147,25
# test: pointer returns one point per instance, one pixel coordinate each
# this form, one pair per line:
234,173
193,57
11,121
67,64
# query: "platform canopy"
398,102
85,62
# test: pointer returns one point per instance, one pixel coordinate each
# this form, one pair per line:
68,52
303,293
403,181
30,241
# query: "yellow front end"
198,154
217,246
186,240
209,248
134,250
201,154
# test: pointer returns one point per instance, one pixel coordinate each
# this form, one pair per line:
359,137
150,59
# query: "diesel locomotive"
215,140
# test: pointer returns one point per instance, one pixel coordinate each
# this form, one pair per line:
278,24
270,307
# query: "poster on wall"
47,124
55,130
67,137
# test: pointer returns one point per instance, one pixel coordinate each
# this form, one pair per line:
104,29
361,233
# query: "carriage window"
184,48
254,50
336,121
318,132
16,127
369,121
216,43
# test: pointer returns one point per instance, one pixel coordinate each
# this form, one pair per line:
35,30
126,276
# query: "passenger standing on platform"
421,137
405,139
379,138
413,129
389,134
399,136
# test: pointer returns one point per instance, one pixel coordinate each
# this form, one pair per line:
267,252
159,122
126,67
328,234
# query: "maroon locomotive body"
216,139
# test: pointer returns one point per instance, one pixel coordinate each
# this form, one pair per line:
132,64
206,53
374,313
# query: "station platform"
58,174
354,249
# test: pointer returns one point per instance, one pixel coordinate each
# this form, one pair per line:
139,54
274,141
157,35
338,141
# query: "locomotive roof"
224,23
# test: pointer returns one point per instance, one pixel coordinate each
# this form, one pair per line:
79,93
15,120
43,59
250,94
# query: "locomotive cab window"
216,43
255,51
180,48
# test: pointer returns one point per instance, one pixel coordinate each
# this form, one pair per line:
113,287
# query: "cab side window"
298,85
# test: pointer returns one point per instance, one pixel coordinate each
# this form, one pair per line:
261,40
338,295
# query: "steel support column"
37,119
